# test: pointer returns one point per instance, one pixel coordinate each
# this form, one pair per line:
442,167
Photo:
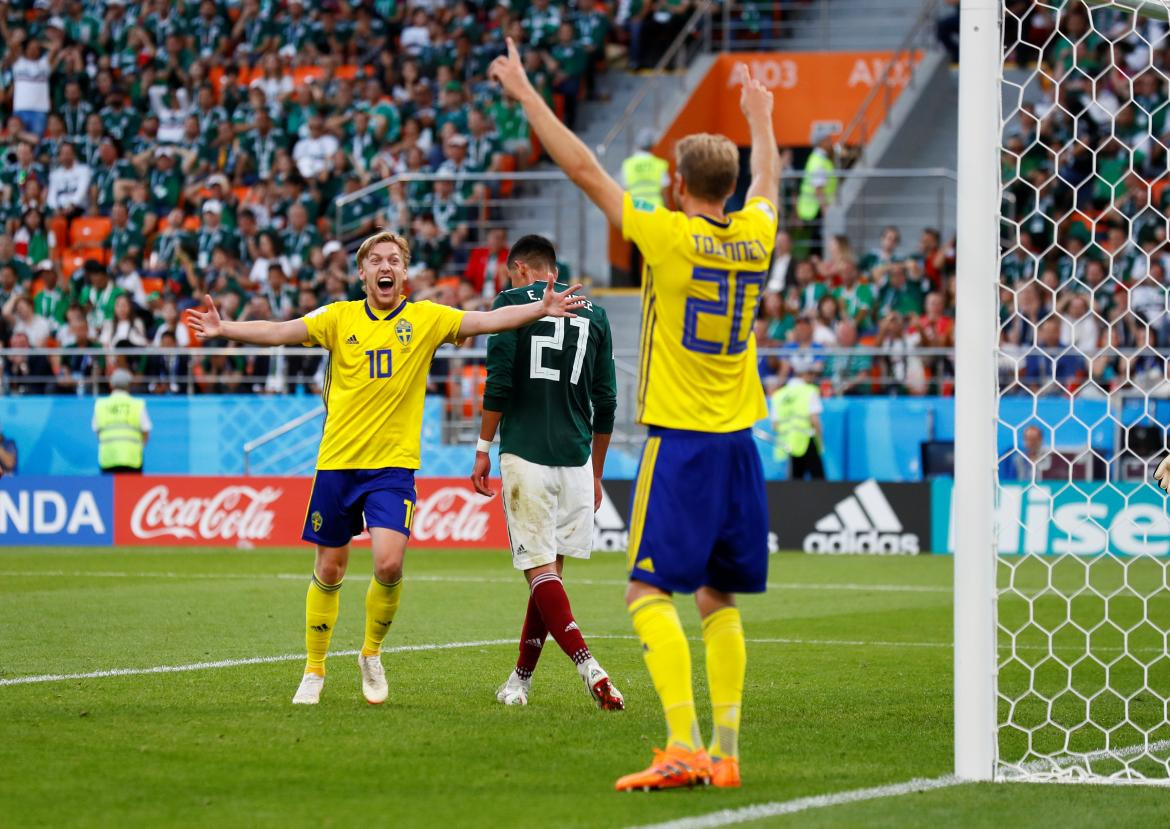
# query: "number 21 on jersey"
555,342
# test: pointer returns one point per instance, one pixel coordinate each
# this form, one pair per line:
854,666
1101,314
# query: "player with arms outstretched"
551,393
699,523
380,351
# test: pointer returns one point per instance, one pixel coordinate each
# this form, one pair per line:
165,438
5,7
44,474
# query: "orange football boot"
673,768
725,773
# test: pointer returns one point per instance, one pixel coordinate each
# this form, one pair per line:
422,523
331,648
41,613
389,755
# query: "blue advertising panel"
1061,518
67,512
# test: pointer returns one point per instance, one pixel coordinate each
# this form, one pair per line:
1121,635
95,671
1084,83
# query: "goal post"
977,263
1062,543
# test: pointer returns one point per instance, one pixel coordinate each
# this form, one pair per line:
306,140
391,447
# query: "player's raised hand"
206,324
561,303
480,473
508,71
1162,473
755,100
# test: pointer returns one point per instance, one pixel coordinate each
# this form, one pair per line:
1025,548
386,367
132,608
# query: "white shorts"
549,510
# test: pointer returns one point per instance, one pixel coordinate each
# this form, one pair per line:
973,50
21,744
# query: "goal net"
1082,610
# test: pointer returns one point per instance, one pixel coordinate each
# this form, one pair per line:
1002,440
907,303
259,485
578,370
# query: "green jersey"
553,381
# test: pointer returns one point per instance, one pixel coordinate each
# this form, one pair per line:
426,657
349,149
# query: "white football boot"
599,686
373,679
309,691
514,691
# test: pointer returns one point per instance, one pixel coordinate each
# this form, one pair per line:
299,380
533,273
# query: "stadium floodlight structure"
1062,593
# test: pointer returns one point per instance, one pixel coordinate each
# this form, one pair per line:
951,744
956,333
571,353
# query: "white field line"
232,663
759,811
107,574
1077,766
440,646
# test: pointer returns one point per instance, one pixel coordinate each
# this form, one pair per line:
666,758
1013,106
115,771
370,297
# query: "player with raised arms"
699,521
380,351
552,395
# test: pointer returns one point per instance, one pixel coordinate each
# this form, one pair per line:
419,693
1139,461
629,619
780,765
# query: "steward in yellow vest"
796,419
644,174
818,186
122,427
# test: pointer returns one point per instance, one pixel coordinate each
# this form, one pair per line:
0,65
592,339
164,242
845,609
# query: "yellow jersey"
700,288
377,382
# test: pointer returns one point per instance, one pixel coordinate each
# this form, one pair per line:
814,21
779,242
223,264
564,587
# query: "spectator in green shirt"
855,297
568,70
899,293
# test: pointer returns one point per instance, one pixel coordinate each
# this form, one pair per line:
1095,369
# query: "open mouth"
385,283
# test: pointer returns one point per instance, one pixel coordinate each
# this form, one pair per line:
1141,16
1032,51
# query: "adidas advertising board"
841,518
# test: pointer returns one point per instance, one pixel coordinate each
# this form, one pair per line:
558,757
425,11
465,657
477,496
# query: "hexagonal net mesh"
1083,598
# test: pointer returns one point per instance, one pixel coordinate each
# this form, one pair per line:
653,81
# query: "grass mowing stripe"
232,663
759,811
290,657
844,586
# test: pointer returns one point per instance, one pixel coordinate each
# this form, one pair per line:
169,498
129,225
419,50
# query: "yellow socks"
668,658
320,619
381,605
726,661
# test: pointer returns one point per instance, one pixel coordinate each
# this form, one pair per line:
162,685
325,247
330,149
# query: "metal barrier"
746,25
649,98
556,211
875,108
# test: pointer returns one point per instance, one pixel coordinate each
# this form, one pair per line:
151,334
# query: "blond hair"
708,164
379,238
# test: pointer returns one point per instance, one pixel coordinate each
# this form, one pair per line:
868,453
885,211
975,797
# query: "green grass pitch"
849,686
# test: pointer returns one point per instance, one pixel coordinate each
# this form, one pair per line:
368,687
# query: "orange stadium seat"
89,231
59,227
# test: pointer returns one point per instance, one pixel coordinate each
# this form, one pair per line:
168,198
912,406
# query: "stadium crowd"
153,152
1083,277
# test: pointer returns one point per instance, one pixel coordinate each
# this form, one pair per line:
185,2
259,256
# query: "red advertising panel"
270,512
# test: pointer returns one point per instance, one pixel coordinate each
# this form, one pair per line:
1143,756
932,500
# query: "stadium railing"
756,25
877,104
645,108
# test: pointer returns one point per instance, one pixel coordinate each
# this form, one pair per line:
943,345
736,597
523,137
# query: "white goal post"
1062,543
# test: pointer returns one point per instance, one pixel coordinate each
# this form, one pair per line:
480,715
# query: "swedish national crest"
404,331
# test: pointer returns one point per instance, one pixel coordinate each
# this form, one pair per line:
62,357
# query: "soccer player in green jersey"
551,393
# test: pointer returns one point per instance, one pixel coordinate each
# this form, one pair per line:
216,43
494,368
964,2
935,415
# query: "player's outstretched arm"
554,304
207,325
566,149
755,101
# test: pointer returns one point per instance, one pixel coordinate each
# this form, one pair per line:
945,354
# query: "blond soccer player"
380,351
699,522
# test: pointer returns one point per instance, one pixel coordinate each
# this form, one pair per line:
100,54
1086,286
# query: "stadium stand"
153,152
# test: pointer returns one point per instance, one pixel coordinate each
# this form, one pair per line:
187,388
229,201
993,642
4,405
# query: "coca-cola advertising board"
270,512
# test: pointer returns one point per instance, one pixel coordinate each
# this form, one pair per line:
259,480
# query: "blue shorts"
345,501
700,515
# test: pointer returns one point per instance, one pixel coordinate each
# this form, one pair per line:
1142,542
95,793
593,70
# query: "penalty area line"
760,811
232,663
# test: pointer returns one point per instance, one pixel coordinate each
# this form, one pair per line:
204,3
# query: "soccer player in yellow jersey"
699,522
380,351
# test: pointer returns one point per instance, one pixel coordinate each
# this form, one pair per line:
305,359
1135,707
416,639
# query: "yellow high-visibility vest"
792,418
807,204
643,174
119,430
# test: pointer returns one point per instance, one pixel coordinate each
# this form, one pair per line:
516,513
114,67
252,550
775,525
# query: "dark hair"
533,250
